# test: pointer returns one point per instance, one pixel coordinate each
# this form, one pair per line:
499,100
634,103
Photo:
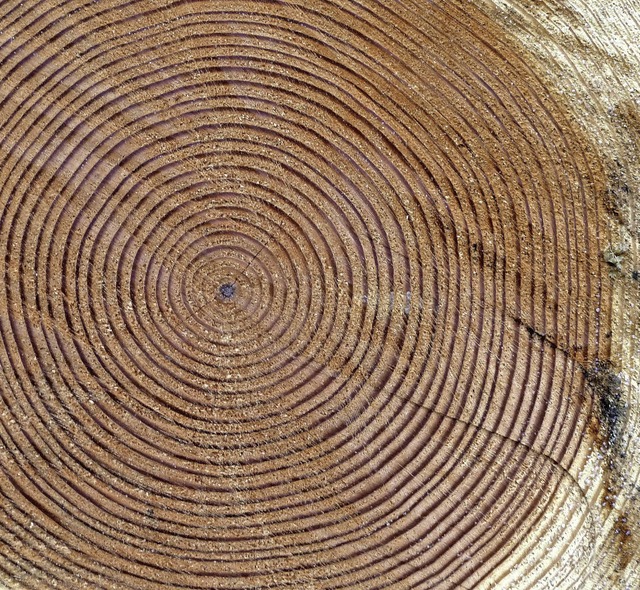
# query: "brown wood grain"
323,294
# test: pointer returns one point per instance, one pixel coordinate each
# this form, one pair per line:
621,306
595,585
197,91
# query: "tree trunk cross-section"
333,294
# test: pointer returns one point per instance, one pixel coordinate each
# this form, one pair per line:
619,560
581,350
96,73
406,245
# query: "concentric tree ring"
295,295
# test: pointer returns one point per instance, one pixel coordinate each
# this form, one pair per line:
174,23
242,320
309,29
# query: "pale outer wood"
589,53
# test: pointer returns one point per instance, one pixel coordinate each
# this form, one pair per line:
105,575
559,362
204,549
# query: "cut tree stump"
319,294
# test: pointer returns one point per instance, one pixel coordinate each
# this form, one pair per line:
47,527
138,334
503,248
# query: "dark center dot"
227,291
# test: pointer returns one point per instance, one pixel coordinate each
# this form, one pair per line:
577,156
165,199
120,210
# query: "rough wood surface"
319,295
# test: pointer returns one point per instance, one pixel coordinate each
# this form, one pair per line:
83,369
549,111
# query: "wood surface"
333,294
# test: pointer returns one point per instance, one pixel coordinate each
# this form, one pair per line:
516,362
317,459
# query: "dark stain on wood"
605,384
